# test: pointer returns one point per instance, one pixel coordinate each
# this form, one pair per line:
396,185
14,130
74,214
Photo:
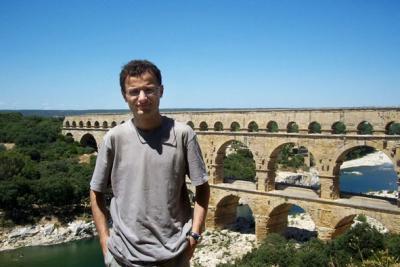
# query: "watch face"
195,236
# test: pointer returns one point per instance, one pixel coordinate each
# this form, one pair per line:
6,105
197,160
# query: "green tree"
314,127
394,129
272,127
240,165
292,127
339,128
365,128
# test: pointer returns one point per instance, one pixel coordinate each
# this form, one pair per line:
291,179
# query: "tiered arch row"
327,134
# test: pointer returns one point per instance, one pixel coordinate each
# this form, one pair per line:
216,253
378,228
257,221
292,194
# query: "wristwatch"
196,236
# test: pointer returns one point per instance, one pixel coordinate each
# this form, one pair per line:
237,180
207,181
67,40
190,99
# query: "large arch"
339,158
278,217
346,222
220,156
89,140
274,157
227,211
340,155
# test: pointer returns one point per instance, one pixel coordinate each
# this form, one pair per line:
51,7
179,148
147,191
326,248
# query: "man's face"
143,95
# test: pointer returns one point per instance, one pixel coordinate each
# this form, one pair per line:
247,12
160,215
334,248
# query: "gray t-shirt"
150,208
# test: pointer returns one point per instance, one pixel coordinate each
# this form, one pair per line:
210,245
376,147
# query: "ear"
161,90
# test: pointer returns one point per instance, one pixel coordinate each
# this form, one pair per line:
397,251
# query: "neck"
147,123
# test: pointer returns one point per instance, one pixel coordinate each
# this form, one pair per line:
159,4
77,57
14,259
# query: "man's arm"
100,217
199,214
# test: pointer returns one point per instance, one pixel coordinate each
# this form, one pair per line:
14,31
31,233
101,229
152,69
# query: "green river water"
82,253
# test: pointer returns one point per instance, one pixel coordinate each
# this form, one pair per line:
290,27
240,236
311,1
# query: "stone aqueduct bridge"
332,211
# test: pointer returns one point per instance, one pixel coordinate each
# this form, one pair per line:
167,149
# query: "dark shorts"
180,261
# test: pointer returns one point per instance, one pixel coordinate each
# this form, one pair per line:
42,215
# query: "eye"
134,92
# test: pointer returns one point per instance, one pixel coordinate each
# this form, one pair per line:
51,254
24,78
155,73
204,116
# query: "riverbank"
45,233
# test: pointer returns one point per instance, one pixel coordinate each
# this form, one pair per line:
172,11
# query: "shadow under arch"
88,140
234,214
278,222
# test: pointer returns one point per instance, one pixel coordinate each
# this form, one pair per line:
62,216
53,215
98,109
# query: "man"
145,160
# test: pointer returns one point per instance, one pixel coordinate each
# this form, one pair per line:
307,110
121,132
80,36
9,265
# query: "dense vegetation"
362,245
240,164
42,173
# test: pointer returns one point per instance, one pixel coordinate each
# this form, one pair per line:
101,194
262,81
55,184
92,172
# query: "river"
82,253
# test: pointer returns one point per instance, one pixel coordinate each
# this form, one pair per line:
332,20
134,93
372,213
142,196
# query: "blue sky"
212,54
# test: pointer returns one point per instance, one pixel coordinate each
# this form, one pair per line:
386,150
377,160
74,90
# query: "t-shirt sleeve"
102,170
196,167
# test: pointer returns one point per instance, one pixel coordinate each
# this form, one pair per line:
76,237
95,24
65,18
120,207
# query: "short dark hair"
137,68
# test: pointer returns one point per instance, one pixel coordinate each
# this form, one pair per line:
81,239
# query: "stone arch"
203,126
67,124
88,124
338,128
105,124
113,124
314,127
73,124
190,124
344,223
220,156
235,126
218,126
365,128
292,127
272,127
81,124
122,122
277,221
252,127
225,211
273,160
96,124
340,157
392,128
69,134
89,140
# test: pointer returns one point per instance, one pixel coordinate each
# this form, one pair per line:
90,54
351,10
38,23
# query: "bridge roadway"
330,209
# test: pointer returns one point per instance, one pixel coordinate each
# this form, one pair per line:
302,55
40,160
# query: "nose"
142,96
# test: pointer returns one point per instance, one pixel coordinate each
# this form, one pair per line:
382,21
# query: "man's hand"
100,215
191,247
103,244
